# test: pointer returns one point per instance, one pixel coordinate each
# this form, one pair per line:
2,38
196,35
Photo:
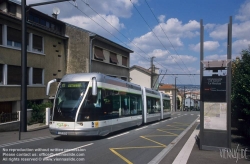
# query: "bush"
38,112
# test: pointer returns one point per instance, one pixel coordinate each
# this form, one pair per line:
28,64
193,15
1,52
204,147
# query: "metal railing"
8,117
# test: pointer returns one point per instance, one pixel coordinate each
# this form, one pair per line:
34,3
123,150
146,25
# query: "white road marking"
141,128
67,151
25,141
118,135
155,124
185,152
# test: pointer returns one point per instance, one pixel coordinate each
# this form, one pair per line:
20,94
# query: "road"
135,145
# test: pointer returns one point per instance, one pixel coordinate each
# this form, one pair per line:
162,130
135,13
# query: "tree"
241,92
241,86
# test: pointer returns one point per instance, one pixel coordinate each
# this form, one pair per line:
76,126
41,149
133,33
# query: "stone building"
90,52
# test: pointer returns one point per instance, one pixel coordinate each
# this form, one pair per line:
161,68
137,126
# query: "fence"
8,117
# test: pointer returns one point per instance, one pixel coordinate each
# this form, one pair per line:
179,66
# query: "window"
42,22
166,105
14,37
47,24
36,19
31,17
11,7
153,105
37,76
1,74
1,35
99,54
124,61
52,26
113,58
37,43
15,75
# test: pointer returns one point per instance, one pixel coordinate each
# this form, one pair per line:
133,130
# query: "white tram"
89,104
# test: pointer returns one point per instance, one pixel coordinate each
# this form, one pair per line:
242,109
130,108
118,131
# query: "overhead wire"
109,31
155,35
101,26
166,35
115,29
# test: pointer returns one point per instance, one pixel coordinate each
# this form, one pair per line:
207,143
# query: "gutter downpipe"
90,52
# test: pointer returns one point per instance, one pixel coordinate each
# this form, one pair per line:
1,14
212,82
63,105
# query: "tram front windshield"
68,99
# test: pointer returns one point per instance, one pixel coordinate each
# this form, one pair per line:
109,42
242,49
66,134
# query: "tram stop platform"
184,150
187,151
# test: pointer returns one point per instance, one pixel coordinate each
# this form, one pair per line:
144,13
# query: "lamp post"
23,120
175,94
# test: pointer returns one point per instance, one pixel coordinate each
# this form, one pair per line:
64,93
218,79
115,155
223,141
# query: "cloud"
240,45
171,35
240,30
244,12
88,24
220,32
208,46
158,53
216,57
209,26
120,8
161,18
174,59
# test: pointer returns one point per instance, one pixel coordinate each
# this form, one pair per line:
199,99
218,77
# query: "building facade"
174,97
142,76
45,54
90,52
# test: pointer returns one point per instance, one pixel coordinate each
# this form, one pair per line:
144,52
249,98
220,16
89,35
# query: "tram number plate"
62,133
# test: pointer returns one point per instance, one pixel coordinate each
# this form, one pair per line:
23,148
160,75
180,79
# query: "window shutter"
14,35
113,57
37,42
37,75
99,53
124,61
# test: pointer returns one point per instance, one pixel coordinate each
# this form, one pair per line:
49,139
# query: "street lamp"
23,120
175,94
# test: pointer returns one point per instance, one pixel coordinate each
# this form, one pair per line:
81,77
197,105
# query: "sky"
168,30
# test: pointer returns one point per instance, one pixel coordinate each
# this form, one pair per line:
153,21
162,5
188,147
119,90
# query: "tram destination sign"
214,89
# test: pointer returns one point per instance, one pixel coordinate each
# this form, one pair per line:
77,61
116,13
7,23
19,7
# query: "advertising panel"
215,116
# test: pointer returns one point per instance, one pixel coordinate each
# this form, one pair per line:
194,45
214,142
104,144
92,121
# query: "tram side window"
166,105
125,106
116,105
121,104
153,105
135,105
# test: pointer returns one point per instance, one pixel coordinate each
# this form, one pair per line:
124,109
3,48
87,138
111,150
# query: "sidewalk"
33,131
196,156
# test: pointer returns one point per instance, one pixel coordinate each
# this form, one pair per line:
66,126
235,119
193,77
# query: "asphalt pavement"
182,149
